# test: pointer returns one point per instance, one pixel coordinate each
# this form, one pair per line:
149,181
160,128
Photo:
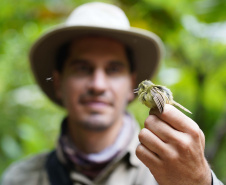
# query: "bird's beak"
136,90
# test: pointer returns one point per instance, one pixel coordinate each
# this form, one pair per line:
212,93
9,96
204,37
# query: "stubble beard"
96,124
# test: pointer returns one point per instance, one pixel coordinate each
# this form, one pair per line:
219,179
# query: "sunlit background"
194,68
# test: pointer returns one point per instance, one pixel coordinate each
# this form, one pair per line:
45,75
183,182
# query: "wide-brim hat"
95,19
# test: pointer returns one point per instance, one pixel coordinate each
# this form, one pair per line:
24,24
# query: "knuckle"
194,129
173,156
139,150
196,132
142,135
151,119
184,143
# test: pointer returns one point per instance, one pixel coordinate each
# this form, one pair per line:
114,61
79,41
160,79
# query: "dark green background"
194,68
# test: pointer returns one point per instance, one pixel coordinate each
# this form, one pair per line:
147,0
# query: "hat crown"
99,15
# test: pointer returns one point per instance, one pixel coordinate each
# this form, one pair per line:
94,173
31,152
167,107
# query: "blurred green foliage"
193,68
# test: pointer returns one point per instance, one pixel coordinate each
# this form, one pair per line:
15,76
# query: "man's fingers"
175,127
161,129
152,142
148,157
179,121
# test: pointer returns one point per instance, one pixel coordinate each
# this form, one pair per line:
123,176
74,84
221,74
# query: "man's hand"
172,147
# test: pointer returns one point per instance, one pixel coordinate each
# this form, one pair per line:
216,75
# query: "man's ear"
57,84
133,86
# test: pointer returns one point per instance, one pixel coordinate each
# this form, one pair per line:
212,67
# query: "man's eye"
82,69
115,69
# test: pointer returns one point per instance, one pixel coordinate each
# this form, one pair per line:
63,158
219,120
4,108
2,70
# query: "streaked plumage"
156,96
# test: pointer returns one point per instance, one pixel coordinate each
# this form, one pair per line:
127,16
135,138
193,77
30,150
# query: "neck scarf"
92,164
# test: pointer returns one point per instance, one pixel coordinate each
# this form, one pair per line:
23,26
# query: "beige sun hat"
98,19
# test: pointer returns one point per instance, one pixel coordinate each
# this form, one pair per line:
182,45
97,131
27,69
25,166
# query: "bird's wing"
158,99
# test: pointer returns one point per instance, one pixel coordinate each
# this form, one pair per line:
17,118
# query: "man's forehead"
86,42
90,47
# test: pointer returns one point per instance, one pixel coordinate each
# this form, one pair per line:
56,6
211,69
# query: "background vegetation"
194,68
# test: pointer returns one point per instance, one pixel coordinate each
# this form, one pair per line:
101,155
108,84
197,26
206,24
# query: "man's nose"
98,82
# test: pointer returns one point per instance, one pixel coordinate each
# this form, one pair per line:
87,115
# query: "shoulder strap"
58,173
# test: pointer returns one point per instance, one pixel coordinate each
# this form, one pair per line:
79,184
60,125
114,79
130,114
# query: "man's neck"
88,141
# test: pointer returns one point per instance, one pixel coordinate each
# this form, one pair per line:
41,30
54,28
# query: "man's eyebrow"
78,61
118,62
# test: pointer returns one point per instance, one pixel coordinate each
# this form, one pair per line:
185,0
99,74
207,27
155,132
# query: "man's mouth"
96,103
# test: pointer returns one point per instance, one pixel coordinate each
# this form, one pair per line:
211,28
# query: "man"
96,60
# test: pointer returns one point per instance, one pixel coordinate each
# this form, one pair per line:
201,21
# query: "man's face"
96,84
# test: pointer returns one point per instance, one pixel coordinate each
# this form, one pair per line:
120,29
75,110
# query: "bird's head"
143,86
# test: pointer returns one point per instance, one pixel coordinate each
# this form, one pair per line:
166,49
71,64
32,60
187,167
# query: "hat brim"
147,51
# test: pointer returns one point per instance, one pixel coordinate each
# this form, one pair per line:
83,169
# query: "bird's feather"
158,99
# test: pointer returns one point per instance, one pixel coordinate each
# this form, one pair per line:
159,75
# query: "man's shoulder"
25,170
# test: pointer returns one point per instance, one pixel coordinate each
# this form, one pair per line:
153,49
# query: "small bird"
156,96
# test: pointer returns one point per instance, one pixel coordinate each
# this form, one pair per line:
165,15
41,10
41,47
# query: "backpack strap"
58,173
